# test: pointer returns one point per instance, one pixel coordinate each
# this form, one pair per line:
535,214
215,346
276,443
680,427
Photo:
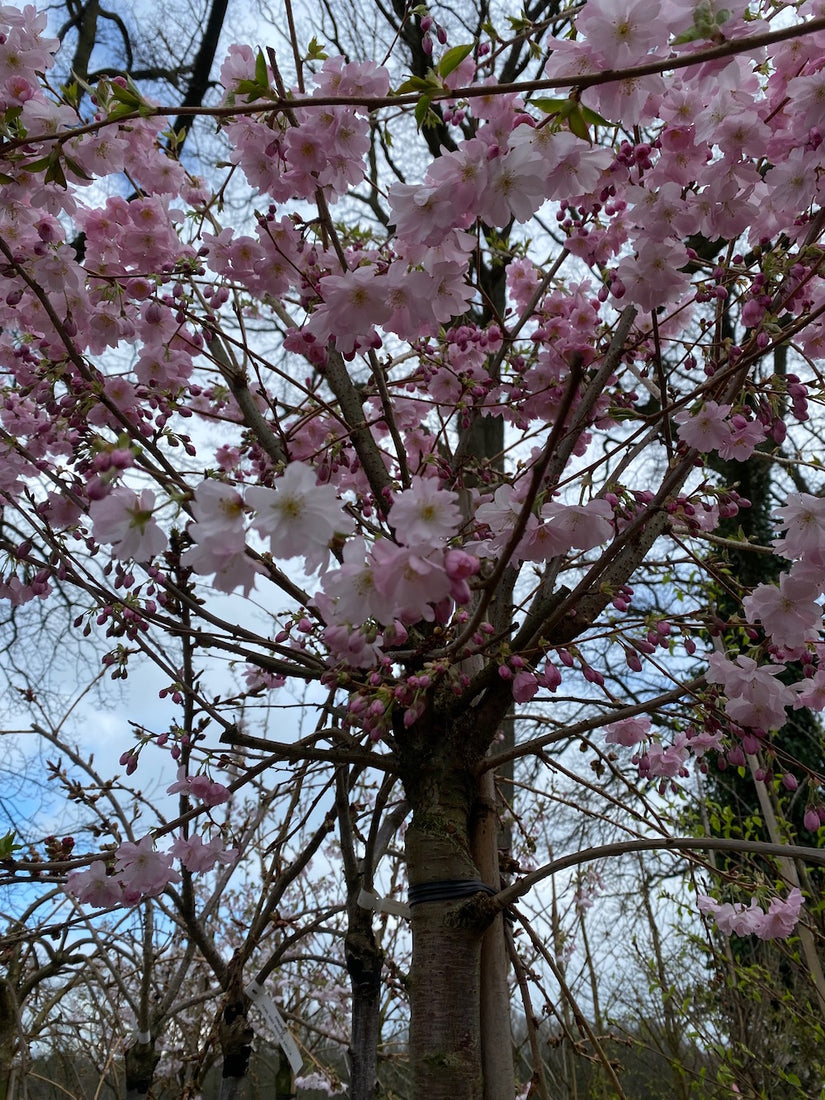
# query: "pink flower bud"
551,677
458,565
525,686
634,661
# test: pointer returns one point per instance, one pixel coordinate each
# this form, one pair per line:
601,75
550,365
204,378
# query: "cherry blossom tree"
407,471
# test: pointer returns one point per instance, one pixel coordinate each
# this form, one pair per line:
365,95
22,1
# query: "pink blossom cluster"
203,788
654,760
777,923
317,148
148,435
416,578
139,872
711,428
142,872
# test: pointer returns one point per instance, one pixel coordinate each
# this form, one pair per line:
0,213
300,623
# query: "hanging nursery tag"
368,900
264,1003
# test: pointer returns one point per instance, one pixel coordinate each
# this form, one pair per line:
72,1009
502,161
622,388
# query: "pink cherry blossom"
219,538
225,559
804,518
142,871
459,566
516,186
299,516
355,647
627,731
95,887
422,212
756,697
352,306
198,857
201,787
811,692
582,526
408,295
789,612
525,685
706,741
126,521
745,436
782,916
654,277
664,761
707,428
425,515
574,167
352,589
779,922
623,31
411,582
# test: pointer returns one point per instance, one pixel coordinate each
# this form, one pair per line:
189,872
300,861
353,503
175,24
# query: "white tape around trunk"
264,1003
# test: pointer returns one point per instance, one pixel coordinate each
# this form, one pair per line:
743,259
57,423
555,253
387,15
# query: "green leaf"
416,84
688,36
7,845
549,106
121,110
55,174
130,96
39,164
422,109
54,170
78,171
592,118
315,51
71,93
520,23
576,123
453,58
261,75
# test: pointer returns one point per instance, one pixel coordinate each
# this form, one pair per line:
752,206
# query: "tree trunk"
445,1033
236,1043
445,1037
8,1035
284,1079
140,1059
496,1038
364,963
